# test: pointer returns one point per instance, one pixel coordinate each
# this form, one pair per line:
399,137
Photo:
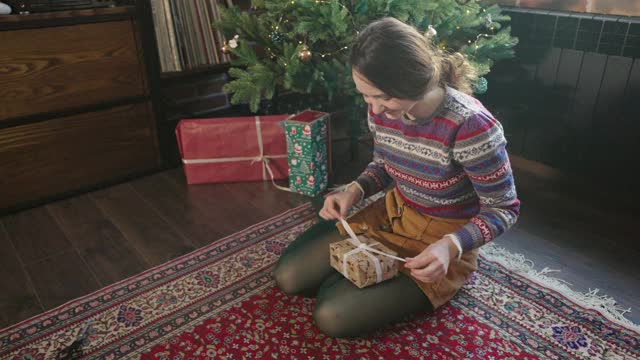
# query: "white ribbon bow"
264,159
366,249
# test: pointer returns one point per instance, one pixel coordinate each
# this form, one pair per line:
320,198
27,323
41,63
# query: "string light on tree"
475,43
334,52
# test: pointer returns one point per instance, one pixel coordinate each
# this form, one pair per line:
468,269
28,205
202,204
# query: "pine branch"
326,27
251,85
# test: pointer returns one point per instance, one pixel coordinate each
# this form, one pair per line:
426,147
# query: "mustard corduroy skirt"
392,222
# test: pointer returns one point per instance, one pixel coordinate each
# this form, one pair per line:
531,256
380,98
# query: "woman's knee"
327,319
331,320
305,263
286,279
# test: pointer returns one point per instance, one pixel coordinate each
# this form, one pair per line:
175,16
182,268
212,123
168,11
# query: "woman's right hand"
337,205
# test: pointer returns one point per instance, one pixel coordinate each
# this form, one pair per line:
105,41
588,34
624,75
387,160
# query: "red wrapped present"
233,149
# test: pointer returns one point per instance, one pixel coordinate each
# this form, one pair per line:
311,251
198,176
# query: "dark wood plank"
18,300
35,234
72,67
61,278
141,224
214,199
228,203
229,213
99,243
89,148
266,198
172,201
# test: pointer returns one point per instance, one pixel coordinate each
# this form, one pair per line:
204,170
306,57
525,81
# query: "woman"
444,156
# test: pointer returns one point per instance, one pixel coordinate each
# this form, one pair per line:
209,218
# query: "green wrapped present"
308,152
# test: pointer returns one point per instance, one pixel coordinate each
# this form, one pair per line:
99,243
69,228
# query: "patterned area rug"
220,303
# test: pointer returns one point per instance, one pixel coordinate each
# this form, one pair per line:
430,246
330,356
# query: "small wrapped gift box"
233,149
362,263
309,151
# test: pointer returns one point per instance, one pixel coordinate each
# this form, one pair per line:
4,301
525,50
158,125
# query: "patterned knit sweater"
451,165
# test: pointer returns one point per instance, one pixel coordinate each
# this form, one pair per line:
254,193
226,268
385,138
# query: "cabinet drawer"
52,157
56,68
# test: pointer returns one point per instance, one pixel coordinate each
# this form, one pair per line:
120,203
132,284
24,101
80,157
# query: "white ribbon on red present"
264,159
366,249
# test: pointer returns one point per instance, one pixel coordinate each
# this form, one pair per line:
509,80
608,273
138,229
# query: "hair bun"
458,72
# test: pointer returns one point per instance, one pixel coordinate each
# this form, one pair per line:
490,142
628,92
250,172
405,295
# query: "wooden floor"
57,252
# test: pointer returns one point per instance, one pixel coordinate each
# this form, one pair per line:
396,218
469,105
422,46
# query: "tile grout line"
22,265
74,247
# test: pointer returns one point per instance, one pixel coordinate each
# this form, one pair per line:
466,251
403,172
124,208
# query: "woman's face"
379,101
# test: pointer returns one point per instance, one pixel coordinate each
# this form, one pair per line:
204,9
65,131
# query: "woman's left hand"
432,263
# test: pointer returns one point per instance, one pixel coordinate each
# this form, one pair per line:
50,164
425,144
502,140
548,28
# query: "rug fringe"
604,304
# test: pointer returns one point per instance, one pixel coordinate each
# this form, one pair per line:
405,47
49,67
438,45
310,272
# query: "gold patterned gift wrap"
364,262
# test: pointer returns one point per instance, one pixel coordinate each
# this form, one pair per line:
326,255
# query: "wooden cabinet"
75,109
57,68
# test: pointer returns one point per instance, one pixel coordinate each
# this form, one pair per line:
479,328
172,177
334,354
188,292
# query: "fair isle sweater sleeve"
480,148
374,178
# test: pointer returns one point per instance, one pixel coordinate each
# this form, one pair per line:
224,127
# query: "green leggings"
342,309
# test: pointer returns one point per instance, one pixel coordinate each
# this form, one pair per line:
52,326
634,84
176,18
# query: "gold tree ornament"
226,49
304,54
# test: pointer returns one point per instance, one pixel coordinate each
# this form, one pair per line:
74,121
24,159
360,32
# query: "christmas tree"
302,46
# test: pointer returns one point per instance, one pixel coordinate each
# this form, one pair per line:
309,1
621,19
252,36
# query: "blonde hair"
399,60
